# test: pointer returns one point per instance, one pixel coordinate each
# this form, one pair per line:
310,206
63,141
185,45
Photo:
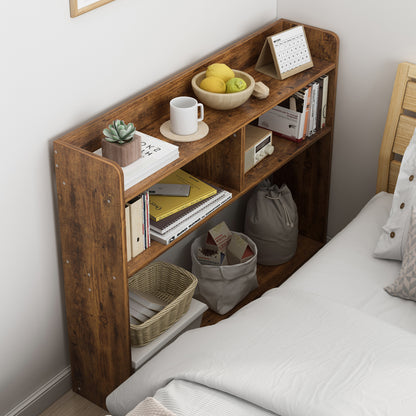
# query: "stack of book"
155,154
301,115
143,306
171,216
137,225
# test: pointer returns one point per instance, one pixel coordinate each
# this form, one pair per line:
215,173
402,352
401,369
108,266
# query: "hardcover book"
162,206
155,154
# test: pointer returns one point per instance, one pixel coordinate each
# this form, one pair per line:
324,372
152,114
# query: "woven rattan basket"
171,284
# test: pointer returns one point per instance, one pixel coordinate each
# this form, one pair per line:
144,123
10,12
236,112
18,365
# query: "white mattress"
363,343
345,270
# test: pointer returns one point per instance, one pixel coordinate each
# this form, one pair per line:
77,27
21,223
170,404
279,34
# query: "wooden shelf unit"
91,198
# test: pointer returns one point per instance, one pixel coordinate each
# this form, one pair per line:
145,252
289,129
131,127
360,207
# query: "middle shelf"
285,151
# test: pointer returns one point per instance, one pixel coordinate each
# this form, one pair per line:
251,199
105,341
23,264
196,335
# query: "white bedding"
185,398
330,341
319,358
346,271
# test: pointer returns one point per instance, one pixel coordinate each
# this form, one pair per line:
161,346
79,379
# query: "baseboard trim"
42,398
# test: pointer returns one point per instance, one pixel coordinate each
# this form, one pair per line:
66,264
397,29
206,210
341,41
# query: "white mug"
184,115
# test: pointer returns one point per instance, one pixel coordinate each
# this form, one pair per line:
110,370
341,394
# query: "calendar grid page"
291,49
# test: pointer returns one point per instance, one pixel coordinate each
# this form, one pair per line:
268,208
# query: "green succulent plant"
119,132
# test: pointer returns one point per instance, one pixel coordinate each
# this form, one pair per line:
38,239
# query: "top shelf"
223,124
149,110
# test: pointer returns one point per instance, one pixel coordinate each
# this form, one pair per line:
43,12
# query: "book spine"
147,218
305,111
144,223
325,79
316,98
312,112
319,109
128,231
136,226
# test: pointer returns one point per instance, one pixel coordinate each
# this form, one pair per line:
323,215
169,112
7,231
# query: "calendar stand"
285,54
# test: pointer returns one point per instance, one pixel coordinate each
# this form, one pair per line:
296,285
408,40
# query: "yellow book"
162,206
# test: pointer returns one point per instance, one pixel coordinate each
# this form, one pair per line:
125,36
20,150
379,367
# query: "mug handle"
201,110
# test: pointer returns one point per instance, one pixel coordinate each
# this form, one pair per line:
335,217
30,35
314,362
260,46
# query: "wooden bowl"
225,101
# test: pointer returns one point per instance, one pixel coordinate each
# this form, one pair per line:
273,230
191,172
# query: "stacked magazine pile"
171,216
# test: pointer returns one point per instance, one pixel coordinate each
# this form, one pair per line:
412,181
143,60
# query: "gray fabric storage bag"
271,221
222,287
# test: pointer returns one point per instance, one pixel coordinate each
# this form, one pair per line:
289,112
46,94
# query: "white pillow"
393,236
405,285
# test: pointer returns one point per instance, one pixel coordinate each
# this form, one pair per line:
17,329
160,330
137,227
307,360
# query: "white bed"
330,341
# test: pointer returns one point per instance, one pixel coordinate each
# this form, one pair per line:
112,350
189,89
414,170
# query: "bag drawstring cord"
289,221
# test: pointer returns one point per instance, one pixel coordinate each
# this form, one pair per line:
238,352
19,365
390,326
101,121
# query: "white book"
286,122
184,226
313,109
137,315
325,79
148,300
146,216
137,226
155,155
282,121
128,232
140,308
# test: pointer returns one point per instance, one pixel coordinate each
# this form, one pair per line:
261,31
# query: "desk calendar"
285,54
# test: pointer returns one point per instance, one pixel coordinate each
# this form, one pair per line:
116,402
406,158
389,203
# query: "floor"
72,404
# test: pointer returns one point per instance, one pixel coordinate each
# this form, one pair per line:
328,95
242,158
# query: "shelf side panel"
93,247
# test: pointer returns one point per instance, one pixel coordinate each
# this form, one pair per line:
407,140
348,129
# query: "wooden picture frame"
285,54
78,7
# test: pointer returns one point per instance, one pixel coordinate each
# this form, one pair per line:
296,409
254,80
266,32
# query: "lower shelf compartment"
191,319
270,277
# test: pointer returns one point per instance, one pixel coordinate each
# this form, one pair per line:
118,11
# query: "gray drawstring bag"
271,221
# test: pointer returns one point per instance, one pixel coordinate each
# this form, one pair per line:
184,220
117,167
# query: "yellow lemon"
213,84
221,71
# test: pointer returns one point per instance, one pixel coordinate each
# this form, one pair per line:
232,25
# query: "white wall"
375,35
56,73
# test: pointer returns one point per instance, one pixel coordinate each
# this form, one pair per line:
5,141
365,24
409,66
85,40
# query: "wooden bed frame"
400,125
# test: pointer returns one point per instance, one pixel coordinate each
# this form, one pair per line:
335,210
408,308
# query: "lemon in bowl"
213,84
223,100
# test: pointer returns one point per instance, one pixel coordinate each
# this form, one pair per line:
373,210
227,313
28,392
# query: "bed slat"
404,133
409,102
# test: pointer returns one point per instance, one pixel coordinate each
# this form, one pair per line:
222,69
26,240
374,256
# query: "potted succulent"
121,143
